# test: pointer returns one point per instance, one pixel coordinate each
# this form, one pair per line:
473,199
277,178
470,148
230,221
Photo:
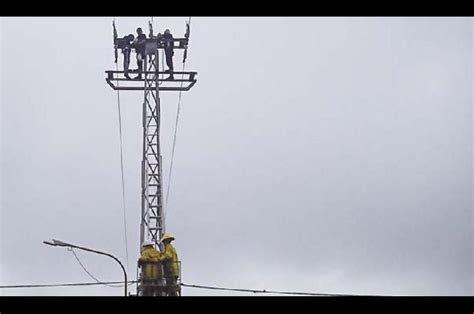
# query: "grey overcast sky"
314,154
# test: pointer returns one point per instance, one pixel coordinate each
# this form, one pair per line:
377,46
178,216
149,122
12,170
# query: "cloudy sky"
314,154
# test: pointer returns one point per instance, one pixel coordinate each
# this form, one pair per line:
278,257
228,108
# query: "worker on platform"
126,50
149,262
139,44
169,259
168,43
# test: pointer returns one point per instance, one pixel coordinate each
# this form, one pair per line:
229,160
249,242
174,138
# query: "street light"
64,244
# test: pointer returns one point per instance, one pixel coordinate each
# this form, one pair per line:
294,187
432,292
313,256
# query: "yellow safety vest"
170,261
151,269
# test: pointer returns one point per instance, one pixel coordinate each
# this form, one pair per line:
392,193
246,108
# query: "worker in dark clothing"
139,44
126,46
169,52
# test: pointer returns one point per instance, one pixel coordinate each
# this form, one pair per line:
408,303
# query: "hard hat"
167,31
147,243
167,236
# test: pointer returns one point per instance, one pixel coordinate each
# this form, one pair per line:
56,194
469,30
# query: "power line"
63,285
270,291
174,143
90,275
83,267
255,291
175,133
122,172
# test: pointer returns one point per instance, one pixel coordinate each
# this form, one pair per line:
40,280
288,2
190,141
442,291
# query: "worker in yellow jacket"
169,259
149,262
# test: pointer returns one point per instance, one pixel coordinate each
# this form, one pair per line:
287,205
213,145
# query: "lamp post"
64,244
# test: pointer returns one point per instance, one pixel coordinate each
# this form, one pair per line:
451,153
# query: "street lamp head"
60,243
56,243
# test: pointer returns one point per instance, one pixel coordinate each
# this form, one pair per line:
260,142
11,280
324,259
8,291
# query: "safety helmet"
147,243
167,236
167,31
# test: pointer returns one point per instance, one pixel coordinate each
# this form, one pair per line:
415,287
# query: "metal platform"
183,81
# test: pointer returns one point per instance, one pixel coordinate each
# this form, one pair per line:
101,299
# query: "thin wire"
63,285
174,143
271,291
196,286
175,135
122,172
92,276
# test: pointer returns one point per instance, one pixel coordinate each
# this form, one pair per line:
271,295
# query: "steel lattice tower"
152,225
